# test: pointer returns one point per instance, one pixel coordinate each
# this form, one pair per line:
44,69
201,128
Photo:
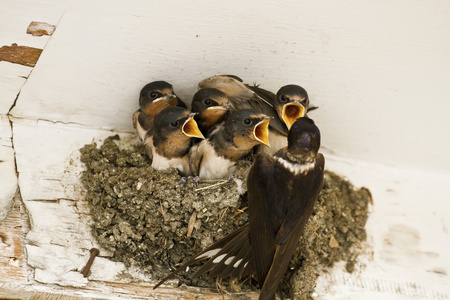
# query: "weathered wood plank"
13,263
8,177
14,294
15,17
49,170
22,55
40,28
12,78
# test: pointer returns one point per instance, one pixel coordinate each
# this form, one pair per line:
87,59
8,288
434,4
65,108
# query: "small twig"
164,180
162,210
213,180
210,186
221,214
239,211
191,223
220,288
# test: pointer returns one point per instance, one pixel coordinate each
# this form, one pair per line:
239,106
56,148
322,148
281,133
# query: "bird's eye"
207,101
247,121
284,98
174,124
153,95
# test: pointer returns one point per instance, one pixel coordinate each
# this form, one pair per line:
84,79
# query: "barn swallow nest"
156,220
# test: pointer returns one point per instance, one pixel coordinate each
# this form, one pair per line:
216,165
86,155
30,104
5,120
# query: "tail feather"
219,255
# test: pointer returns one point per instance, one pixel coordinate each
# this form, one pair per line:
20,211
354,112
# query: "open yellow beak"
291,112
190,128
261,131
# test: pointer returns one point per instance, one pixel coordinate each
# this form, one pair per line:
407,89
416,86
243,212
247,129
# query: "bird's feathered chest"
213,165
160,162
290,186
173,146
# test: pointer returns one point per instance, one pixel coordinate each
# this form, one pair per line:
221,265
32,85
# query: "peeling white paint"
12,78
16,16
407,235
49,176
8,178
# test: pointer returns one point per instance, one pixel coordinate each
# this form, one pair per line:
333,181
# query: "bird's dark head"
303,139
212,107
156,96
176,123
291,103
210,99
248,127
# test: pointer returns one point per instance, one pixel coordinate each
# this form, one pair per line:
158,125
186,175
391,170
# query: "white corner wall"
378,70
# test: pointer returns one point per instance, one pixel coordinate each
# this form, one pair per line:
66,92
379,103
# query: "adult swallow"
282,190
294,178
212,107
153,98
290,103
170,138
214,157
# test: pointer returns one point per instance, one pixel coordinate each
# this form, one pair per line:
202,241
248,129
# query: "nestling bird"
214,157
170,138
282,190
153,98
212,107
290,103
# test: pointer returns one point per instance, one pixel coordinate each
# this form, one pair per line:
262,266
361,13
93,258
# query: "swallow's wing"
181,103
148,144
135,118
261,186
195,158
267,95
232,251
142,123
231,258
242,96
234,76
311,108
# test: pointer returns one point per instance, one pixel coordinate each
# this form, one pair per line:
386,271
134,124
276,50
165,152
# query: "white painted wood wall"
378,70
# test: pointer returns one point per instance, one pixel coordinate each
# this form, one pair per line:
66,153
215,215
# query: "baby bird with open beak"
170,139
215,157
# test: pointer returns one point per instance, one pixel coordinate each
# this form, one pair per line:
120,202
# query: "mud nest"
156,220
